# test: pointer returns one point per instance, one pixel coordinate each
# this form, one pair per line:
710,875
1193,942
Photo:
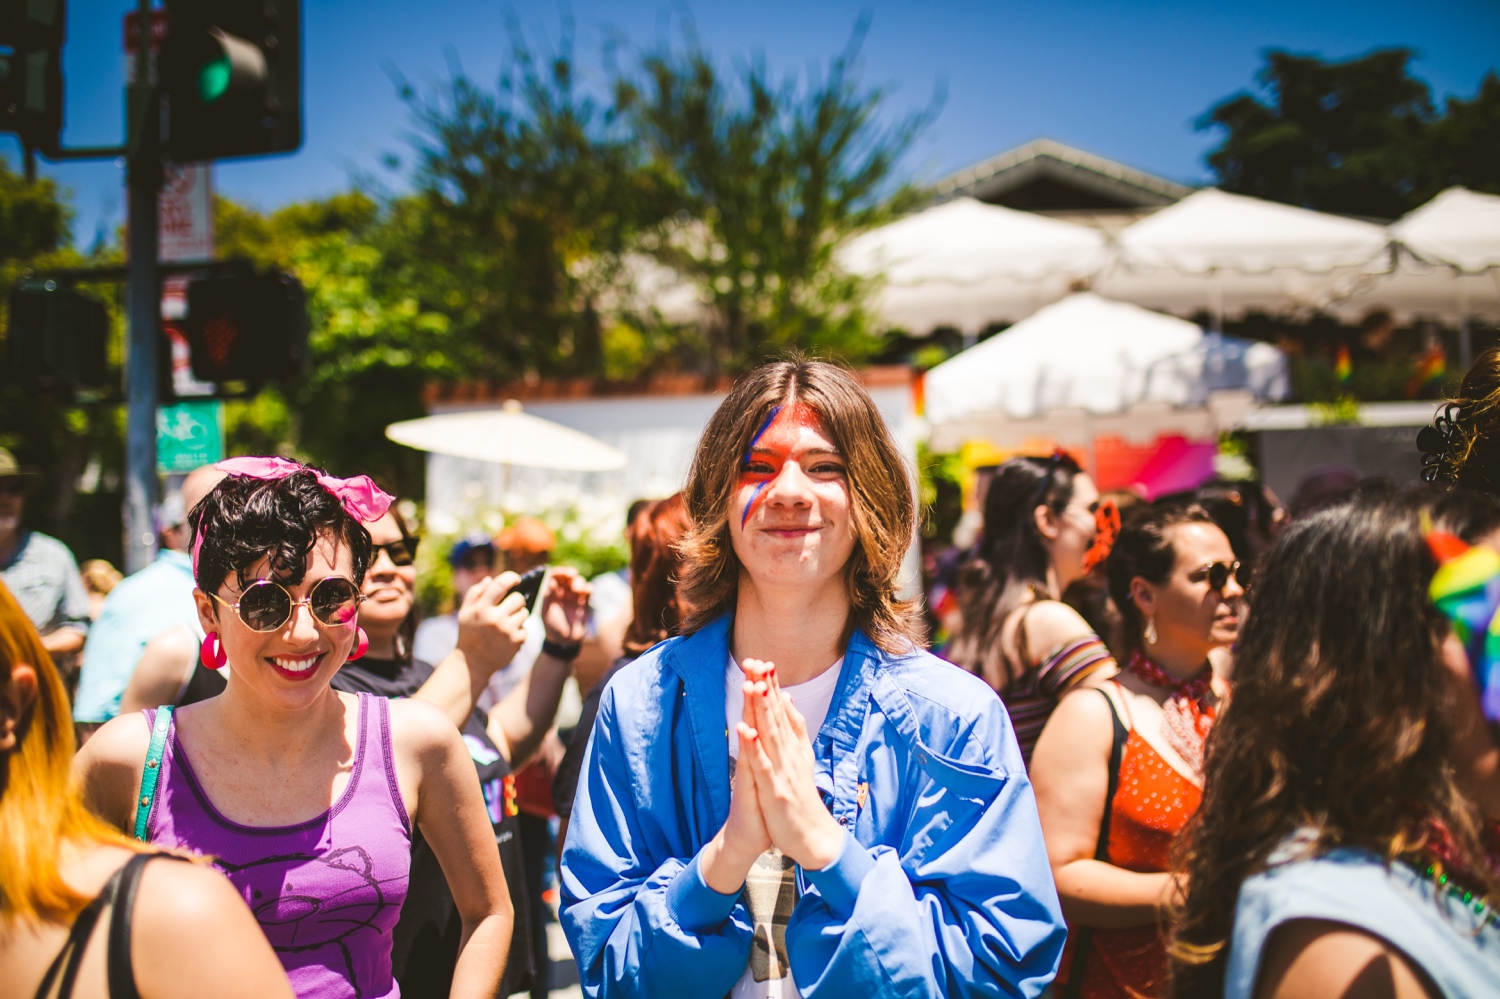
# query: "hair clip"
1438,444
1107,529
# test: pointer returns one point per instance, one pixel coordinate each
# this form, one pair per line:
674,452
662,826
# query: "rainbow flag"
1343,368
1429,373
1466,590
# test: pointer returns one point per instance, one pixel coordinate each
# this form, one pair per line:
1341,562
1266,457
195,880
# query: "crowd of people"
1193,747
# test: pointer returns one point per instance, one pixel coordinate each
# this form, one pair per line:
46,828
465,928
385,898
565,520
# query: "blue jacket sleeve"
637,912
966,907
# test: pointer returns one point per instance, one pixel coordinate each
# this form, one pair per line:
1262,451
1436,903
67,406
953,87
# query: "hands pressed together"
774,801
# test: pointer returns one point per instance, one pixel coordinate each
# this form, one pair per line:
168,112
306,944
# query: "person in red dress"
1118,770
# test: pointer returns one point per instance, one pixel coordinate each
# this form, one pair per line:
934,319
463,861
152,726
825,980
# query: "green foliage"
1359,136
766,180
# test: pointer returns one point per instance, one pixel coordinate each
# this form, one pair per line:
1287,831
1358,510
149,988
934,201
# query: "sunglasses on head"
1054,462
1218,573
265,605
401,553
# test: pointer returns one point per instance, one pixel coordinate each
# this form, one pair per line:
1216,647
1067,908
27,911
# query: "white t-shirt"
771,885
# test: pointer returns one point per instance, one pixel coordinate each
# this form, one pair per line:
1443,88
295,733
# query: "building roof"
1044,175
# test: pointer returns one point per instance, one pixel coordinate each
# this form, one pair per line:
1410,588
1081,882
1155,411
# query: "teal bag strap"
150,775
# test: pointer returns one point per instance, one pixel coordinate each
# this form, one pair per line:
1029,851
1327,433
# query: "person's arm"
1070,771
640,914
1316,959
1067,652
165,667
491,629
108,770
965,908
520,722
229,956
450,812
72,613
64,640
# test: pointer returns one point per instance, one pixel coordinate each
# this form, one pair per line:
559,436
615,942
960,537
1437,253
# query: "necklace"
1187,715
1447,870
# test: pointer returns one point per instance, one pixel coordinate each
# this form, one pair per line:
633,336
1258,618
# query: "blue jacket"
942,890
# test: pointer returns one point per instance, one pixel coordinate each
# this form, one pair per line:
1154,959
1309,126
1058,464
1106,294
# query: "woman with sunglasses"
306,798
1118,771
1039,526
491,629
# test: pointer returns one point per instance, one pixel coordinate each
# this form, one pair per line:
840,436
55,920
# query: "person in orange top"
1118,771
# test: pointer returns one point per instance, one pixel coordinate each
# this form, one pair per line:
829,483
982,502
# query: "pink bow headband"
361,497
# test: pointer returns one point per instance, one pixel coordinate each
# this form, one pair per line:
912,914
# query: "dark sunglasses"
265,605
1218,573
12,487
401,553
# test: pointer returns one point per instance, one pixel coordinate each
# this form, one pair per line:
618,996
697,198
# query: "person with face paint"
307,798
793,798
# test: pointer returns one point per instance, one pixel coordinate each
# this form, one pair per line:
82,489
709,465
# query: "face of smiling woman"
789,520
291,664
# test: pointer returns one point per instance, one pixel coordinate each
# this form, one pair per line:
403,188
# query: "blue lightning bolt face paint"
770,449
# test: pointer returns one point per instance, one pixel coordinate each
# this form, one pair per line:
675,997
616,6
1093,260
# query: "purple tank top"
328,891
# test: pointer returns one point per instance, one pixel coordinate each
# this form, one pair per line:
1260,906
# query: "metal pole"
143,178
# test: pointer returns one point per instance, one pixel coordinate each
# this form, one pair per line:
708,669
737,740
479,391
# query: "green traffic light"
213,79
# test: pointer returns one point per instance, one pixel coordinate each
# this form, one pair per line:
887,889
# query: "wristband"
563,651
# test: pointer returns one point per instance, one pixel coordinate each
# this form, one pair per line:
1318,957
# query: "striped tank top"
1031,697
328,891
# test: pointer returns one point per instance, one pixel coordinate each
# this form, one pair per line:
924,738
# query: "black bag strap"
1083,940
71,955
122,909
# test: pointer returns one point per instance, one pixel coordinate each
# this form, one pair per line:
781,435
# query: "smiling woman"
306,798
793,798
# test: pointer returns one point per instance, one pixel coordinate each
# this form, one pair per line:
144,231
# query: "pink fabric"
361,497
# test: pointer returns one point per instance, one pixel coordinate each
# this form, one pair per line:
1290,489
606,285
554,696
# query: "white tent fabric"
1088,353
1228,254
967,264
507,436
1458,228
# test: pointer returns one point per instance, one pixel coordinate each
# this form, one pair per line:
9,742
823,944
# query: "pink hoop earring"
211,652
361,644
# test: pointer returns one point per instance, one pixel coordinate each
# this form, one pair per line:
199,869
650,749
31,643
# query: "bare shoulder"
419,728
1050,623
178,901
1315,958
1078,733
108,767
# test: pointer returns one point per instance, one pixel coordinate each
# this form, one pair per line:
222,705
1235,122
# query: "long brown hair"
655,564
882,510
1341,718
1011,561
40,809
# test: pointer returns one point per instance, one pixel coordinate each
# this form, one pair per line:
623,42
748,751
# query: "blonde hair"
882,510
40,808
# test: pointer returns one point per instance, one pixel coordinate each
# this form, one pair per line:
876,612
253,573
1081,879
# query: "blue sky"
1124,80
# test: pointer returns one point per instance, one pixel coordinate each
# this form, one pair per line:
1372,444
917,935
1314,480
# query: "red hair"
654,565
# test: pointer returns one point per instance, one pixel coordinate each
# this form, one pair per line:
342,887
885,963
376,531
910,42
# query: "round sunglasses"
265,605
1218,573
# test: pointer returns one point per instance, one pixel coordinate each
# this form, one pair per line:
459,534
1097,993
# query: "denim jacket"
943,886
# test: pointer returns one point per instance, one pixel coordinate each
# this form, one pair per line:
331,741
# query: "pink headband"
361,497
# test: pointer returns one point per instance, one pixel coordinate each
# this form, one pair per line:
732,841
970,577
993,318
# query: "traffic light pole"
143,295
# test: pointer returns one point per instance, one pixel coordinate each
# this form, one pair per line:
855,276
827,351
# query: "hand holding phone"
529,585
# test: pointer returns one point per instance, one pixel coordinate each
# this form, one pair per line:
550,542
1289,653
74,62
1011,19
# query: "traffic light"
246,328
31,82
231,78
56,335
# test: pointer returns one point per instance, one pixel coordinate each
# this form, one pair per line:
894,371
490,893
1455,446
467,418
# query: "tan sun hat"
11,469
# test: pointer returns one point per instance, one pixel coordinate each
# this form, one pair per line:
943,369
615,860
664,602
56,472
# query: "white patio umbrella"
507,436
1228,254
967,264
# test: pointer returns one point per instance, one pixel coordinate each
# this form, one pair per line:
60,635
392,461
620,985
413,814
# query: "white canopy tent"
966,264
1448,269
1228,254
1088,355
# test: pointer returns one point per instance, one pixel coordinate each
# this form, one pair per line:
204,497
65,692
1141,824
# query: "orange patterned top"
1150,807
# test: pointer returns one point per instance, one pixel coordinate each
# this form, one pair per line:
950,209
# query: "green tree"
1344,136
1466,140
767,179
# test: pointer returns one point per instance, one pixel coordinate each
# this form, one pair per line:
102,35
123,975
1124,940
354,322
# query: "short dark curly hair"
244,519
